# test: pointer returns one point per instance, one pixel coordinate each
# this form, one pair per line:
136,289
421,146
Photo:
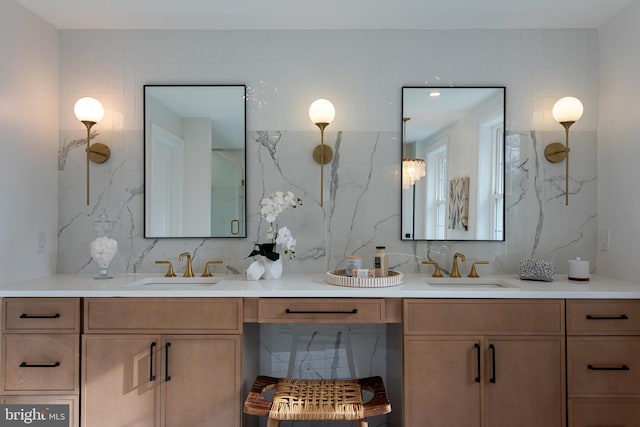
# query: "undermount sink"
175,282
466,283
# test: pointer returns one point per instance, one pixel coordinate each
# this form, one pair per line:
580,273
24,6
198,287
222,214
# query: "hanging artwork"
459,204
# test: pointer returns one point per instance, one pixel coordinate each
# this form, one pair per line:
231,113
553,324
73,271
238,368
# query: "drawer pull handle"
39,365
608,368
167,377
605,317
289,311
477,346
37,316
152,348
493,363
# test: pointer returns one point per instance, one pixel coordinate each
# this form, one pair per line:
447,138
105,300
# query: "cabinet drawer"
163,315
603,366
71,401
41,314
604,317
321,310
604,412
40,363
486,317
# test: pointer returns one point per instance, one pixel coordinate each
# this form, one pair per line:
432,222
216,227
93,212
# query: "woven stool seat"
302,399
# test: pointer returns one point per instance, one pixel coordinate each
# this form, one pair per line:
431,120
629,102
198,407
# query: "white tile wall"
362,72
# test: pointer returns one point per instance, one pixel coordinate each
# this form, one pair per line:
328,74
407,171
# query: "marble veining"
362,204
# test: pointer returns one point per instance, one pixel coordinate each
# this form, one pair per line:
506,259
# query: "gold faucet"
188,271
436,271
207,273
454,268
474,273
170,272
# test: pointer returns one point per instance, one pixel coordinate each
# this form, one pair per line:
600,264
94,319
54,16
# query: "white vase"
272,269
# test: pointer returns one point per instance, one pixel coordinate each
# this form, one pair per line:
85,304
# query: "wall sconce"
89,111
566,111
322,113
412,169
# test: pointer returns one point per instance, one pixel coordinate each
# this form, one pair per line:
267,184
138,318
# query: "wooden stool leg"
362,423
276,423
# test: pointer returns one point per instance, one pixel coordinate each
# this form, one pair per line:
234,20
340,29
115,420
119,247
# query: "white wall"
29,140
619,147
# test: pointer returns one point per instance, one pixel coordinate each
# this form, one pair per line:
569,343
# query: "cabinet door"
119,388
525,385
201,381
442,381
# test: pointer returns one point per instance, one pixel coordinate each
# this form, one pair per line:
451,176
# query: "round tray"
339,278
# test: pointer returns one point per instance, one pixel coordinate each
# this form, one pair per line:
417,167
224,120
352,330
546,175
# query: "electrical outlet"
603,240
42,242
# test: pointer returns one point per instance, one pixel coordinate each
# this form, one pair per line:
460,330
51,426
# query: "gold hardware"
436,272
188,271
565,111
170,272
454,268
322,113
207,273
99,153
473,272
237,222
89,111
555,152
322,153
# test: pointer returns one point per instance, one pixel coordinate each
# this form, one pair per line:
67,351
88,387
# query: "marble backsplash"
361,206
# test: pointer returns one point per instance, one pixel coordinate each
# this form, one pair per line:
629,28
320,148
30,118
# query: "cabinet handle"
608,368
39,365
493,363
605,317
167,377
477,346
152,348
289,311
37,316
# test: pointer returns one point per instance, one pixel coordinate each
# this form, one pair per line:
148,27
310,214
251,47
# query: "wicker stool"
297,399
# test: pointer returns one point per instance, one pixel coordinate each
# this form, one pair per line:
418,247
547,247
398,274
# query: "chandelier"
412,169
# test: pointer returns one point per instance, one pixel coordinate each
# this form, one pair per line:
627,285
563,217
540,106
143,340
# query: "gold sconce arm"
90,111
322,113
566,111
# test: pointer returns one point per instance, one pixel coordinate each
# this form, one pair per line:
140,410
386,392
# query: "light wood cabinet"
321,310
158,380
484,363
603,354
40,358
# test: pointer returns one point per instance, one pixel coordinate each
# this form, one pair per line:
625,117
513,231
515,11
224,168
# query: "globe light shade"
88,110
567,109
322,111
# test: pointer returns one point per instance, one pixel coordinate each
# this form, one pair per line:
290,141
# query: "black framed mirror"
194,161
453,150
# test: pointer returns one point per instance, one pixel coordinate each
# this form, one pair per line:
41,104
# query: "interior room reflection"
195,161
459,132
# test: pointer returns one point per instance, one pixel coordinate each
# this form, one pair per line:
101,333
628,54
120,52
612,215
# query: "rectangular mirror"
453,151
194,161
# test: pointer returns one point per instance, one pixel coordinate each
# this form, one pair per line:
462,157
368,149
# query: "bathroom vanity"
144,351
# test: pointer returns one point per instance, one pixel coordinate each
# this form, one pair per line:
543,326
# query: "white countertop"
314,286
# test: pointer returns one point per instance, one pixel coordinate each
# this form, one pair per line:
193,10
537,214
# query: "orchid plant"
271,206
